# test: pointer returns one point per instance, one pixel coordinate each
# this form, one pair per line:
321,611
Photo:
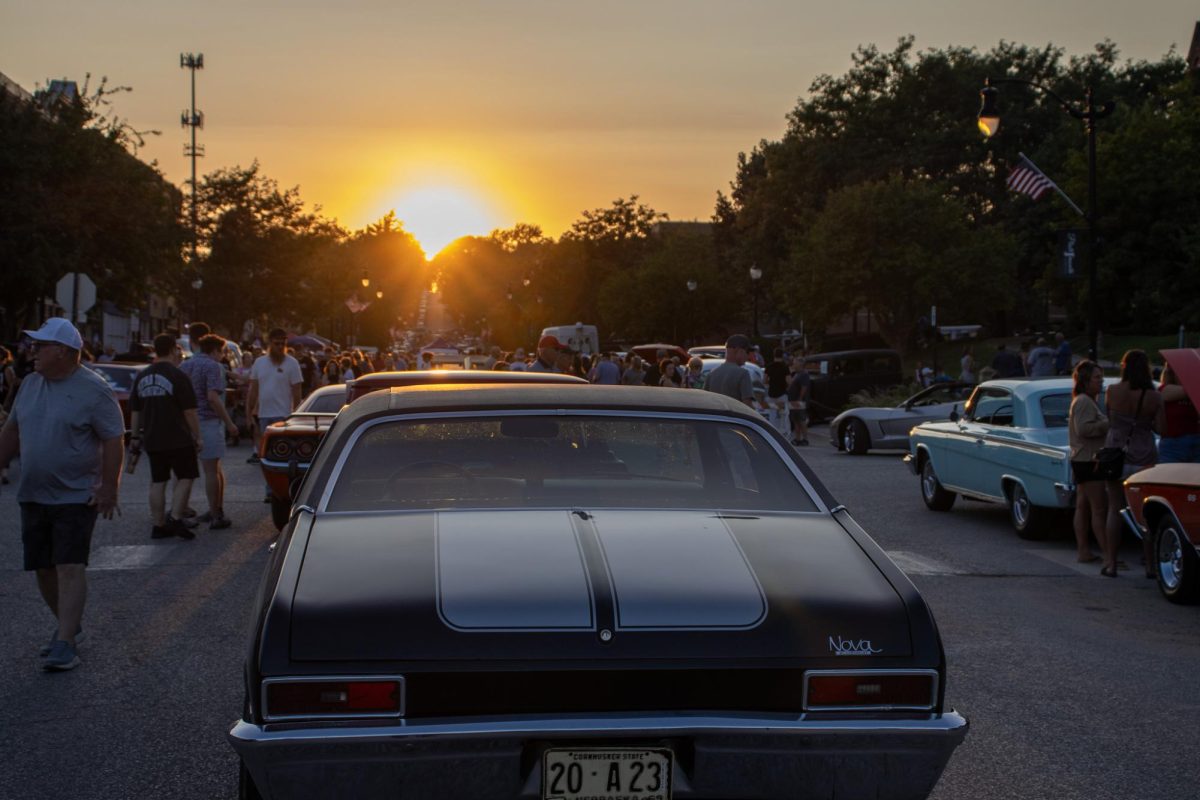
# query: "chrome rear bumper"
768,756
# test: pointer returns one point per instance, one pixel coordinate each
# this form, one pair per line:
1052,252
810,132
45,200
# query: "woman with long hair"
1135,412
1087,426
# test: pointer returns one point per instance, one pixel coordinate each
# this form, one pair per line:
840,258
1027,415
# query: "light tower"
193,119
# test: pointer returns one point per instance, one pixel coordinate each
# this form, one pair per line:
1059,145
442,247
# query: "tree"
895,248
260,245
73,198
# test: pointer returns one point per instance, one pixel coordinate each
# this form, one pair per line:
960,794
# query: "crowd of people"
1111,442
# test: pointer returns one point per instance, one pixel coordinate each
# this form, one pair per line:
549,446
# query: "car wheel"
935,497
246,788
855,438
1175,563
281,511
1030,521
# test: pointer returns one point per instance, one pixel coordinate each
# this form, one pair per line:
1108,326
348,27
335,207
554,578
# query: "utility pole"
193,119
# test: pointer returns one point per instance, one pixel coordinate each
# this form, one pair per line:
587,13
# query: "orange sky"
516,111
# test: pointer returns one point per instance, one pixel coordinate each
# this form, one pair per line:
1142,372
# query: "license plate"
616,774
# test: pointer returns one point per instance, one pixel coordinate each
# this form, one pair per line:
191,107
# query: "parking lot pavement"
145,715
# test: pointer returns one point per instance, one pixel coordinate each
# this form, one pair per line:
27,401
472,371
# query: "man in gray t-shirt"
68,428
731,379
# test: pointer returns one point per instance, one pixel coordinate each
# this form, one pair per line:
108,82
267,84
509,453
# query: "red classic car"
1164,503
120,376
286,448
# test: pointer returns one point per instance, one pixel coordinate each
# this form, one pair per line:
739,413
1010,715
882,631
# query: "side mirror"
954,414
908,406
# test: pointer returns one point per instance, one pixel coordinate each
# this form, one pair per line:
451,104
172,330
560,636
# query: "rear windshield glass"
1056,410
533,461
328,403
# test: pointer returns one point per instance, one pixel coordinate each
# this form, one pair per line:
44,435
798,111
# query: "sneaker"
189,512
177,528
804,442
205,517
80,637
160,532
61,657
254,459
189,523
219,523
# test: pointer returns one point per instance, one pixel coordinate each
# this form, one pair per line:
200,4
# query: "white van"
583,339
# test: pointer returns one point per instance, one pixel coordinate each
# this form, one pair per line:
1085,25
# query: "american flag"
1026,178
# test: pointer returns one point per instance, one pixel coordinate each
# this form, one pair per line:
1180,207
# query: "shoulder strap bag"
1110,461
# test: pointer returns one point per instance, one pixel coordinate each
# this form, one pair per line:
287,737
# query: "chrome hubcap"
928,482
848,437
1170,558
1020,507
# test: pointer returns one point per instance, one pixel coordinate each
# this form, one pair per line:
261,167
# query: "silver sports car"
858,430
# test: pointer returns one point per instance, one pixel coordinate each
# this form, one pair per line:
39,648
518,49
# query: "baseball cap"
738,340
58,330
551,341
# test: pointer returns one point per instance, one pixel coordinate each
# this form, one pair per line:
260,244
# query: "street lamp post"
755,276
197,285
1089,112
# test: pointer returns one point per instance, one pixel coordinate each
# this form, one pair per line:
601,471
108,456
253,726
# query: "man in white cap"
68,428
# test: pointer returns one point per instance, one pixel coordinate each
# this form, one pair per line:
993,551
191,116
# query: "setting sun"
437,215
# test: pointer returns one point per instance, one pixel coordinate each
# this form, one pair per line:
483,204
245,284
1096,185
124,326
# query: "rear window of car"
1056,410
327,403
535,461
117,378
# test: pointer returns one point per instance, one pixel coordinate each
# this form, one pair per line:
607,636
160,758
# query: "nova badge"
850,647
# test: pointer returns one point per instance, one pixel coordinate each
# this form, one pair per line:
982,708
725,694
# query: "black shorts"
182,462
55,535
798,416
1084,472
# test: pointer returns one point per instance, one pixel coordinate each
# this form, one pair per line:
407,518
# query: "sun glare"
437,215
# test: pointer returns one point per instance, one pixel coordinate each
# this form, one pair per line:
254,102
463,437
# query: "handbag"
1110,461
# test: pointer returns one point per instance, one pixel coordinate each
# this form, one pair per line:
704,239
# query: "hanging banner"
1072,252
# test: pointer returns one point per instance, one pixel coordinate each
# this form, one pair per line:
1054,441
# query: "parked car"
1009,446
858,430
649,352
836,376
120,376
582,591
1162,504
286,448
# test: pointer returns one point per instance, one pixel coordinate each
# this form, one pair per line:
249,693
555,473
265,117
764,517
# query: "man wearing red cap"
549,351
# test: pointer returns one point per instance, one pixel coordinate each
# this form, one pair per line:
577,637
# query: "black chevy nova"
567,592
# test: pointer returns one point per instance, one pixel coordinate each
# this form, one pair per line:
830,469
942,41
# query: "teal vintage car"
1008,446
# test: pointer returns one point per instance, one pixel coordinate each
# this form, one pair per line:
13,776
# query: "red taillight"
333,698
867,689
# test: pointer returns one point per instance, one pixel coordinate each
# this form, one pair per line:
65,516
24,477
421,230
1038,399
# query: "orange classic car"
1164,504
286,448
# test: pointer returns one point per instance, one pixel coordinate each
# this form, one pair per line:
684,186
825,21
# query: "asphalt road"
1077,686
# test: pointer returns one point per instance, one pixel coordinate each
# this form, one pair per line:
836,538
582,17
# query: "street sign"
76,293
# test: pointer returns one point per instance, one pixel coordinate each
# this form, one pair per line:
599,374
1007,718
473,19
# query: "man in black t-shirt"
797,394
777,381
165,425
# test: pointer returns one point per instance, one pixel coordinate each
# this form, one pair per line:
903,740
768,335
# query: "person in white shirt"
275,381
